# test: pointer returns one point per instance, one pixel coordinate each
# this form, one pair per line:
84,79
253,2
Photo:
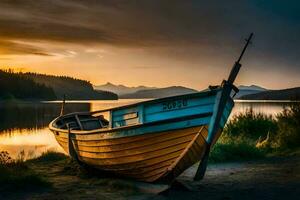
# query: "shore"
271,178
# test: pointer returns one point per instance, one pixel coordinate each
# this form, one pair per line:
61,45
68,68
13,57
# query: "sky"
159,43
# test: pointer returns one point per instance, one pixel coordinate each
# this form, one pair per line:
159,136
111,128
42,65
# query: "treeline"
292,94
48,87
73,88
16,85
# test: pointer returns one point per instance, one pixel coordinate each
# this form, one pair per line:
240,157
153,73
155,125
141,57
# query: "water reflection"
24,126
266,107
33,115
32,142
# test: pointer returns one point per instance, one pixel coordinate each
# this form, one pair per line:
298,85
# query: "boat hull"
149,141
149,157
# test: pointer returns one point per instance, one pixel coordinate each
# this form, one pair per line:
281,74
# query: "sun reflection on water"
32,141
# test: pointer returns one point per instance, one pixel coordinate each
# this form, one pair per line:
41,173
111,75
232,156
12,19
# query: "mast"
227,86
236,68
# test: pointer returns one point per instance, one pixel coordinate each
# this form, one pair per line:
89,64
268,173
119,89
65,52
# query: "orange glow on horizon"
136,66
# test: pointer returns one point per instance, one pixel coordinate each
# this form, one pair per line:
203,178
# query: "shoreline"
273,178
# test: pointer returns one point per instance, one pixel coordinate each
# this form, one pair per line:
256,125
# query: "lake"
24,126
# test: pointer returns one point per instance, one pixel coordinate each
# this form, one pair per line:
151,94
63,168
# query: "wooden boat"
150,141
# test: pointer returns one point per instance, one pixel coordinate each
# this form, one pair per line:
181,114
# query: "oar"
225,95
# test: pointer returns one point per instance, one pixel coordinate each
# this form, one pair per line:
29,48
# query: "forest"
34,86
73,88
17,86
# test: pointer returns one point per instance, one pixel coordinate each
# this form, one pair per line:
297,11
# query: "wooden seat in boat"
83,122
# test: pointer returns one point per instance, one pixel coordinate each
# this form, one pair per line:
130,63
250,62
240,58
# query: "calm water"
24,126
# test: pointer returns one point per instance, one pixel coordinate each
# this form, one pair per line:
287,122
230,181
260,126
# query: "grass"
288,134
252,135
49,156
251,125
235,150
16,175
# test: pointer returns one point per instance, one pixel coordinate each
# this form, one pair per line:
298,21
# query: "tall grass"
235,150
288,134
250,125
252,135
15,175
49,156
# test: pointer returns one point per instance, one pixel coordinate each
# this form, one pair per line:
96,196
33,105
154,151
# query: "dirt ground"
272,178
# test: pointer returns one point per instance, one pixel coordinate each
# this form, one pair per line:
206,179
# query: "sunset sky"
153,42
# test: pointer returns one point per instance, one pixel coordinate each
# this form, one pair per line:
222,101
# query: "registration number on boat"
176,104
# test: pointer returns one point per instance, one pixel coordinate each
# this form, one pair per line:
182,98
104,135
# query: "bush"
16,175
230,148
288,134
251,125
49,156
5,159
249,135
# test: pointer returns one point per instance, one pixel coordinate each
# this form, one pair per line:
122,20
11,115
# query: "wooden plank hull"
146,157
150,141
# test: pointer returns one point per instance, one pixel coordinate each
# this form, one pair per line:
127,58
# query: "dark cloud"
126,22
190,28
16,48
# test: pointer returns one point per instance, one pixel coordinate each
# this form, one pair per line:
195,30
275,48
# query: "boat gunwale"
159,100
110,130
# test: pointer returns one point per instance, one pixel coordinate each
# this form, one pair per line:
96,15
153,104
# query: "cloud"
127,23
17,48
187,28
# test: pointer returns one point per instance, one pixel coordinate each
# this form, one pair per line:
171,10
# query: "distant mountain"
251,87
74,89
285,94
121,89
158,93
247,90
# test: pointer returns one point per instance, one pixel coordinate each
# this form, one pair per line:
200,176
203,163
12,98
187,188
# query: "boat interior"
82,122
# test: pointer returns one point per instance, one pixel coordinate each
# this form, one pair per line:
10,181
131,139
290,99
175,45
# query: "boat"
150,141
